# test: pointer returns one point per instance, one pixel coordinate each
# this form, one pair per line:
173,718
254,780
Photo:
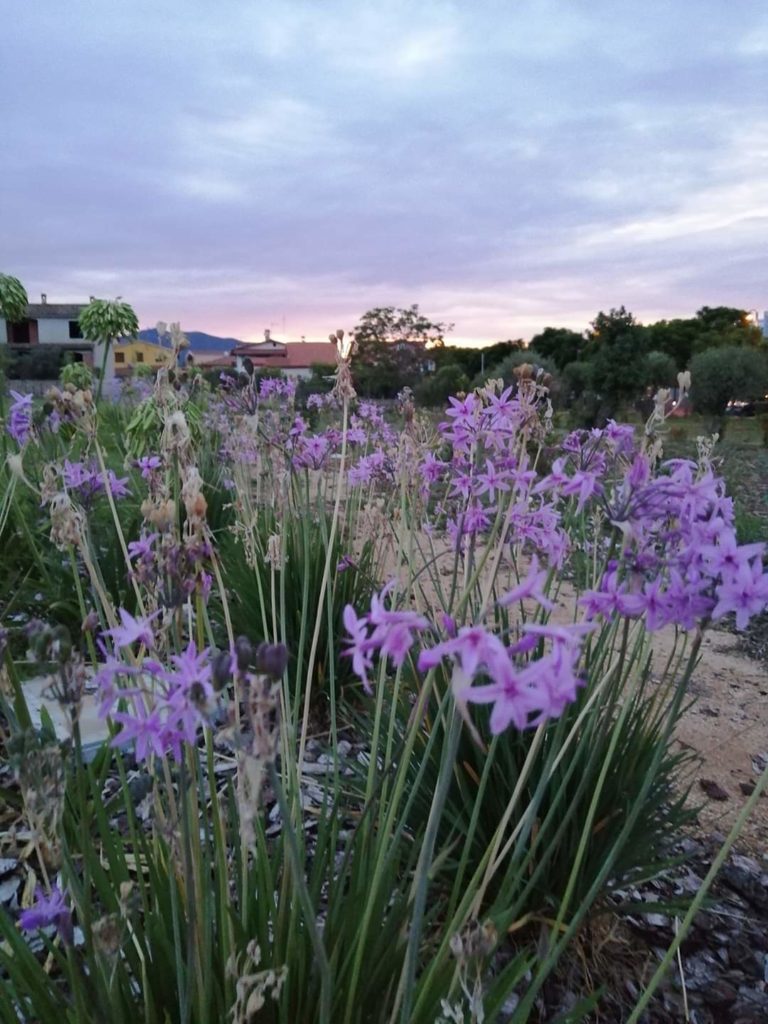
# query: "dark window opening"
21,333
139,357
75,330
119,357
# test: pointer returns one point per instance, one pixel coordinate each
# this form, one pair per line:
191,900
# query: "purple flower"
118,485
20,417
389,632
146,727
531,586
745,593
513,701
192,675
49,910
142,548
491,481
474,647
358,647
132,630
148,464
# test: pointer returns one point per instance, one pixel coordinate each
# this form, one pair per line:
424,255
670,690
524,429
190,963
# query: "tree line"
611,364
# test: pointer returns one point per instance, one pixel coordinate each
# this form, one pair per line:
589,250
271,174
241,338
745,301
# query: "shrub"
435,389
505,370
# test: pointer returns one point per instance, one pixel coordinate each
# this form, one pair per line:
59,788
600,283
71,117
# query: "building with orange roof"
293,359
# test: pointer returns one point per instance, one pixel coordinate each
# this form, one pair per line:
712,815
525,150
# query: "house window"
74,329
119,357
139,357
19,334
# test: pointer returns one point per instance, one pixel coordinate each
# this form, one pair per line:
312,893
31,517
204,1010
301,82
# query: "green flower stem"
324,583
310,916
421,880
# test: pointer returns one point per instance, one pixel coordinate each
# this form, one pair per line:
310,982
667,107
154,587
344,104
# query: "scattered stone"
713,790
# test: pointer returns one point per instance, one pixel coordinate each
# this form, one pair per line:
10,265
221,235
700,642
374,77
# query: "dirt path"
728,728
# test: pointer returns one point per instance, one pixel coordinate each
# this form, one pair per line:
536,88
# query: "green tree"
724,326
393,349
559,344
616,347
13,299
722,375
103,322
676,338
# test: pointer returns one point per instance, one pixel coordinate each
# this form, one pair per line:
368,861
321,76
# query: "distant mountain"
198,341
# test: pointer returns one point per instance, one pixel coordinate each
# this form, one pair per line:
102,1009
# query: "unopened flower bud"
222,670
271,659
90,622
243,653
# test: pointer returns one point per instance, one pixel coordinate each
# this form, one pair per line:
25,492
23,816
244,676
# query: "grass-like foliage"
390,707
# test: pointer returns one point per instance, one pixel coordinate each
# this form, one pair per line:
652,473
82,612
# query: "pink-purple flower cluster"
86,481
528,681
159,709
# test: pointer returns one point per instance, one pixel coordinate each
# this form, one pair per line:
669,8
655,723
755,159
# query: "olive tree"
722,375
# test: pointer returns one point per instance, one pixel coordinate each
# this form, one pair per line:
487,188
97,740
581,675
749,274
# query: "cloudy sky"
240,165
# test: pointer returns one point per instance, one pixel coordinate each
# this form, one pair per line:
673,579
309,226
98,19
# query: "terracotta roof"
298,355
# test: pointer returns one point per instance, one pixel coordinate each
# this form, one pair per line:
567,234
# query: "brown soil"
727,727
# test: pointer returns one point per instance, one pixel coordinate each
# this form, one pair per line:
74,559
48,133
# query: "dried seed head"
107,935
67,522
274,550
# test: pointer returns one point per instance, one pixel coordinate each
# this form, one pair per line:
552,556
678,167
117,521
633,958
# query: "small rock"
746,883
713,790
722,993
312,750
8,889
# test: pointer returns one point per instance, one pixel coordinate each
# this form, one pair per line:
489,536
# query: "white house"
57,324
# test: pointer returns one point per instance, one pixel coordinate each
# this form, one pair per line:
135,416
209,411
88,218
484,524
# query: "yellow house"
132,354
